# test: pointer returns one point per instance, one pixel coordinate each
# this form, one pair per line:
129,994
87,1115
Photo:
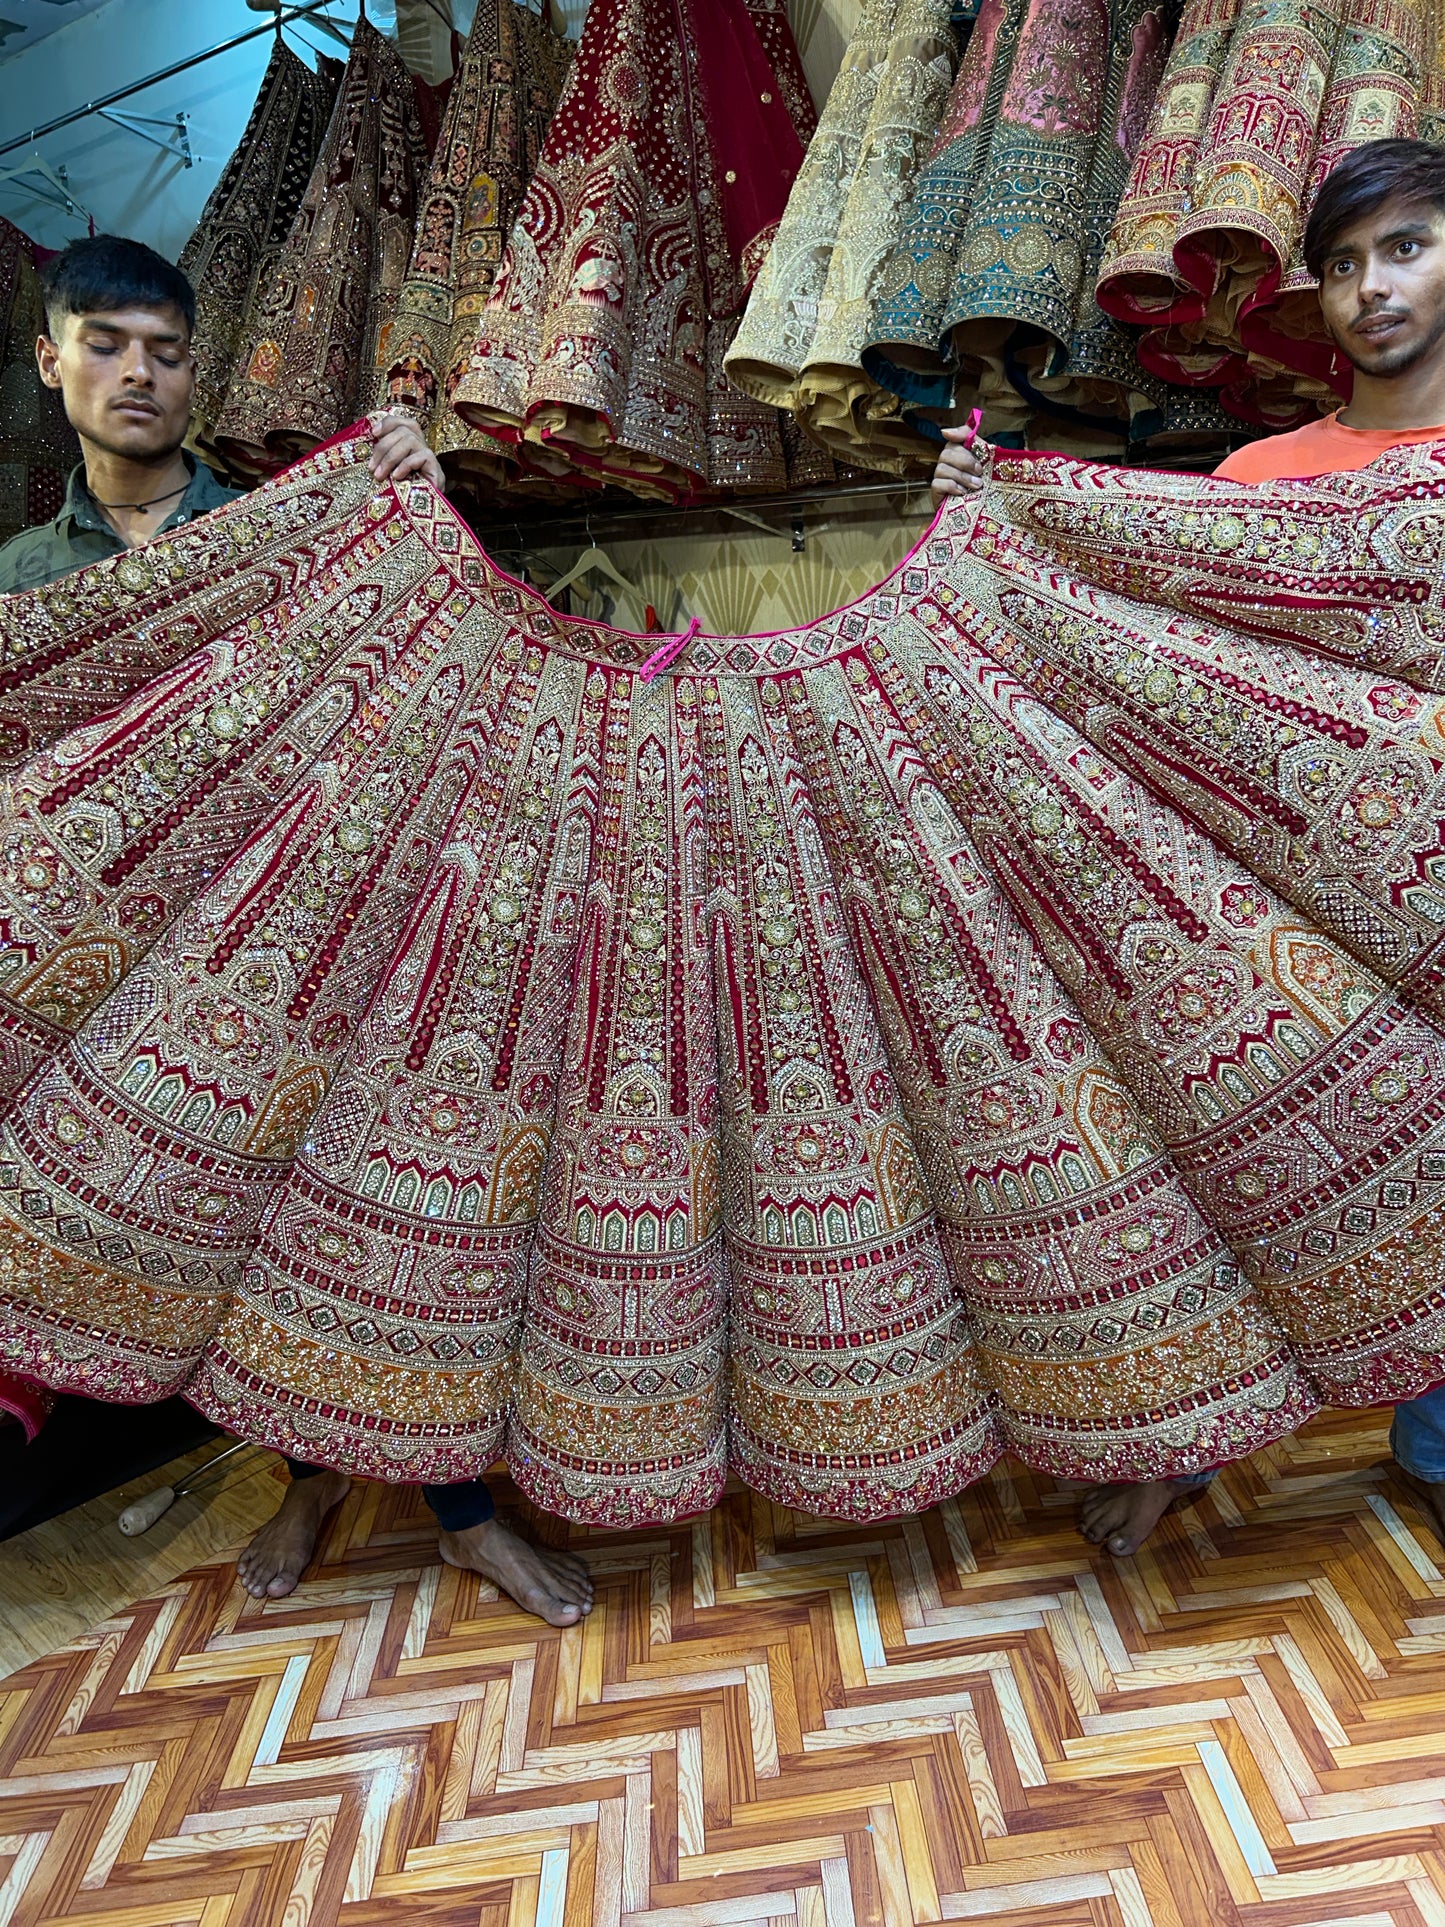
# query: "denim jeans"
468,1503
1417,1439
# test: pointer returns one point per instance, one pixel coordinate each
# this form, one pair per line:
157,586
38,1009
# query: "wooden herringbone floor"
771,1719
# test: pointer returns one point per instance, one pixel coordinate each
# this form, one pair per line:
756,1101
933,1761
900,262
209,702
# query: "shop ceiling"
23,22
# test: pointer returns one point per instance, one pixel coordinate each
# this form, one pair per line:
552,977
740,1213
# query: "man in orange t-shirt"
1375,241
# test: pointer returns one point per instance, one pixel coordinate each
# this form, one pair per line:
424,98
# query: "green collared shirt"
80,533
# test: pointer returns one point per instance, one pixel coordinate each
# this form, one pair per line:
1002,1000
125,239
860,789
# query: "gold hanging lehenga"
305,369
234,251
38,447
501,105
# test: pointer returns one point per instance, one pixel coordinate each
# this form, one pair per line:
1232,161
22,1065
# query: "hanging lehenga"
38,447
307,364
1259,100
1005,1014
989,296
501,105
1431,114
811,311
236,246
598,354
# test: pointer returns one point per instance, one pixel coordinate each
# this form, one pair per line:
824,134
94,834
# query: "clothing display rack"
648,519
106,101
46,184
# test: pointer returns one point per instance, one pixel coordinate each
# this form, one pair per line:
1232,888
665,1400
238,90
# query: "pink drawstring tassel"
973,424
668,654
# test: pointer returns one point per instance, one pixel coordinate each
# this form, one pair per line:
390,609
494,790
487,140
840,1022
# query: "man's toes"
283,1584
1096,1522
541,1598
573,1577
562,1574
562,1592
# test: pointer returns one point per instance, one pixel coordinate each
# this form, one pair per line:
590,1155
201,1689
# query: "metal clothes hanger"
338,29
311,46
316,16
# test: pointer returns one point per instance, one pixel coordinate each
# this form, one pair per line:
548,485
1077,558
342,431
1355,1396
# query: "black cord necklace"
169,494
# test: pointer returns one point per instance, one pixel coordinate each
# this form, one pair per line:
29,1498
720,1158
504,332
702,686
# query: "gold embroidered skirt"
1003,1015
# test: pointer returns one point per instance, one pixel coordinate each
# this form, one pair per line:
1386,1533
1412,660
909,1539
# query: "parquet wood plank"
770,1719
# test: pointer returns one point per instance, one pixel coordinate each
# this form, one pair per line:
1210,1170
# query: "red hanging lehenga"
1004,1014
598,356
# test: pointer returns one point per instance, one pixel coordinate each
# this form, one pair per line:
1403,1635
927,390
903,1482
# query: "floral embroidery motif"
1004,1014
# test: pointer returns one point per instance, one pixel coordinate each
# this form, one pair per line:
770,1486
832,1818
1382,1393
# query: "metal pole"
282,19
648,518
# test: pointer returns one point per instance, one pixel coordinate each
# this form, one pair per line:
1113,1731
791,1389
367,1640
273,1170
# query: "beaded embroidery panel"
1001,1015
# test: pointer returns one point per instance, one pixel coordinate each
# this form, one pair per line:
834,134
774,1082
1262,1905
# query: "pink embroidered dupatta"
1004,1015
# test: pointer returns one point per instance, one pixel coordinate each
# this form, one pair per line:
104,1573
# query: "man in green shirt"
119,350
83,532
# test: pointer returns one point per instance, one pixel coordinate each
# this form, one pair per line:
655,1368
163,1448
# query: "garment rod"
547,534
646,518
282,19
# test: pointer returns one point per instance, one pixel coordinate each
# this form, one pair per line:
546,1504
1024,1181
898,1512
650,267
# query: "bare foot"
272,1565
555,1585
1121,1517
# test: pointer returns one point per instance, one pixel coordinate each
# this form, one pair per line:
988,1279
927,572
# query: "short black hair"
1365,179
107,272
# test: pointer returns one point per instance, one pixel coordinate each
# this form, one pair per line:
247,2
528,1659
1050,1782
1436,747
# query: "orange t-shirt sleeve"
1247,464
1303,452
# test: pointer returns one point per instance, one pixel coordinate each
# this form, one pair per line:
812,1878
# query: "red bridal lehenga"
1003,1015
